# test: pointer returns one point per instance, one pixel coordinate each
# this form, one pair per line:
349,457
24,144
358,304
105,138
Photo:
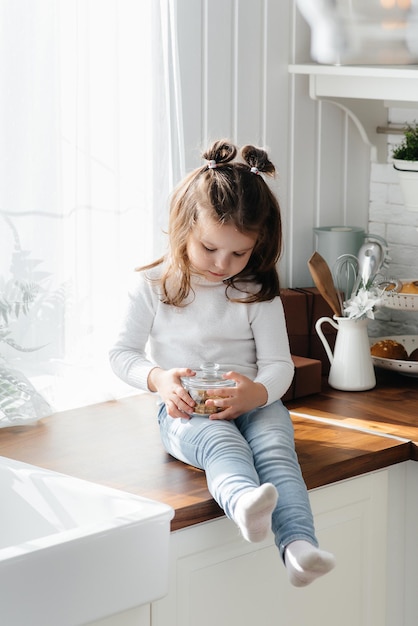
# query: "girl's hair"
232,192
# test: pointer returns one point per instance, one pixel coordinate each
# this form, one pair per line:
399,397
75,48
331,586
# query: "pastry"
389,349
414,355
410,287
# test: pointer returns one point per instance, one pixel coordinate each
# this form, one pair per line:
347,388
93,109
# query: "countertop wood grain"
338,435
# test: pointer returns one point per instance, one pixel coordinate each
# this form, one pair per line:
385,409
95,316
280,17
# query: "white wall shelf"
395,84
364,93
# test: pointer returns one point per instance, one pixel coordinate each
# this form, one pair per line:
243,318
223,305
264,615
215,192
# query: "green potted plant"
405,161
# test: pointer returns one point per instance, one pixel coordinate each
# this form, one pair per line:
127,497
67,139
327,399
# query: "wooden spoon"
324,282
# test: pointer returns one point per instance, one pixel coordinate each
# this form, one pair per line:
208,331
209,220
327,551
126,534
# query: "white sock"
253,512
305,563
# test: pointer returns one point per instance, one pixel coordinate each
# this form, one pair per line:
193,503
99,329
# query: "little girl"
215,297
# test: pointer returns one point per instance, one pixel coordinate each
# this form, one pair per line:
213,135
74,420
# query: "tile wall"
389,218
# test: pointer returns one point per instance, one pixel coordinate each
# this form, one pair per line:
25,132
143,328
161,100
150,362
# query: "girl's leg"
217,447
269,432
244,477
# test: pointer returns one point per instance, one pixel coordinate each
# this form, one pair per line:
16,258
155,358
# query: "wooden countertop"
390,408
338,435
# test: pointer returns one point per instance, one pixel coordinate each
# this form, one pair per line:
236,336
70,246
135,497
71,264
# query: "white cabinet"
369,522
410,597
402,598
216,578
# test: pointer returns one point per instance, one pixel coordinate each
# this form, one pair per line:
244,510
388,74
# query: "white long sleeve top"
249,338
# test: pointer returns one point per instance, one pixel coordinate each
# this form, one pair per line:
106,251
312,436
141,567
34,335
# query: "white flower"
363,304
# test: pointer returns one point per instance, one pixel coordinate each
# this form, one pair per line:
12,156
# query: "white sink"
72,552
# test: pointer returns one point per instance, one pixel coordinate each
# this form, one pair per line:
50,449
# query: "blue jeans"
256,448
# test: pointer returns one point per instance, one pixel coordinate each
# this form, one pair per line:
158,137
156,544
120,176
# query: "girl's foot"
253,512
305,563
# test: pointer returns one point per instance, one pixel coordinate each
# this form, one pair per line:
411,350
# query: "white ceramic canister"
333,241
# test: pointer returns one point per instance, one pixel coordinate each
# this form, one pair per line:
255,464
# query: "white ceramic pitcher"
351,364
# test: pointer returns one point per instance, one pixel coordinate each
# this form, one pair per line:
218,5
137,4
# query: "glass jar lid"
209,377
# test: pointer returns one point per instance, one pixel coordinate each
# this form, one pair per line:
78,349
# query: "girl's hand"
168,384
244,397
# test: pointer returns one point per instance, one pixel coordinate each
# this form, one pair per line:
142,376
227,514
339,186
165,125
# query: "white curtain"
90,146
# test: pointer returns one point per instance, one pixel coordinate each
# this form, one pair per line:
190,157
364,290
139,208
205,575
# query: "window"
88,157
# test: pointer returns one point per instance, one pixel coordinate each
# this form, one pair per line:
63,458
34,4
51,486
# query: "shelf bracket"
366,117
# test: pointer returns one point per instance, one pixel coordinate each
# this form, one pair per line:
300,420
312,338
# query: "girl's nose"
221,261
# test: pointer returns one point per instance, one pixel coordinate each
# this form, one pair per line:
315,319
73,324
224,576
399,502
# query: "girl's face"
218,251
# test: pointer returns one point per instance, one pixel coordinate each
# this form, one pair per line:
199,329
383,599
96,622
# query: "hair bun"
258,158
221,151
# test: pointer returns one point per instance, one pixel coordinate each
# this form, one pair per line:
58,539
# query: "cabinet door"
219,579
402,596
411,544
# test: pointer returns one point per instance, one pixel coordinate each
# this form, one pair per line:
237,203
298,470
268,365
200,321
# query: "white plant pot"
408,179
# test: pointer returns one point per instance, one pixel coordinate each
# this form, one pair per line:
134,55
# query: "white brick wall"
389,218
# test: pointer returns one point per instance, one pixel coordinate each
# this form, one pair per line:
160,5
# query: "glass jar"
208,380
